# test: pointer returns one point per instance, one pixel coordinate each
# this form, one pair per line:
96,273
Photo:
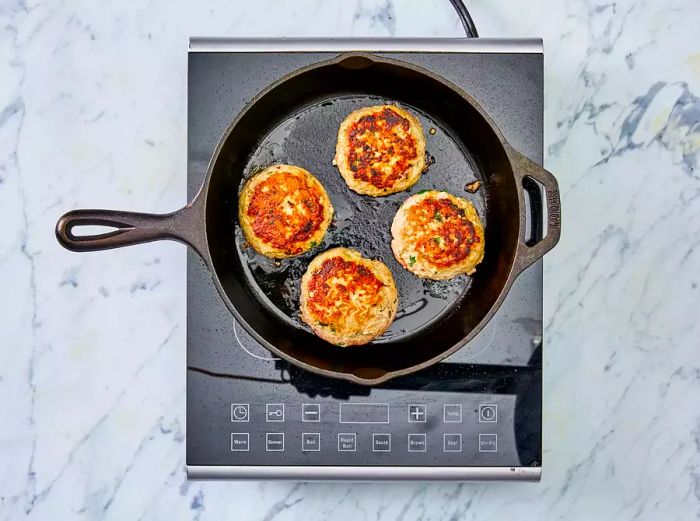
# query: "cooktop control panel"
428,429
371,431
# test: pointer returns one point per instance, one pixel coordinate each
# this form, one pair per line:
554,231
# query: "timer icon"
240,412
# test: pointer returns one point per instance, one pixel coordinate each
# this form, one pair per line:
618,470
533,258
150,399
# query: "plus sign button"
416,414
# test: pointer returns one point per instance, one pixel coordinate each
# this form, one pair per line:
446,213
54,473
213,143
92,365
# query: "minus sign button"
311,412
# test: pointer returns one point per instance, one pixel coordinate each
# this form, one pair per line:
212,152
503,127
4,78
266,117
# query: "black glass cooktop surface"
481,407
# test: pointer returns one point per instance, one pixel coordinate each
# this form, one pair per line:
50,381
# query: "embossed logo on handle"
553,209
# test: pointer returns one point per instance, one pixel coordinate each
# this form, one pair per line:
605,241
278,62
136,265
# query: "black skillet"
296,121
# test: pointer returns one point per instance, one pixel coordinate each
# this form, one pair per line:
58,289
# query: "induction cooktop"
475,415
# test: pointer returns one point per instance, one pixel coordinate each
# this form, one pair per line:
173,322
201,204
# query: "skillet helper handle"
524,168
129,228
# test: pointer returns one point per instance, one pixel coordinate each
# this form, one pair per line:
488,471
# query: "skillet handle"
184,225
529,253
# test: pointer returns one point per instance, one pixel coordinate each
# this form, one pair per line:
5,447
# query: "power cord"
465,18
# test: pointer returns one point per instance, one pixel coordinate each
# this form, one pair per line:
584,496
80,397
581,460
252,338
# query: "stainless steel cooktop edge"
371,473
464,45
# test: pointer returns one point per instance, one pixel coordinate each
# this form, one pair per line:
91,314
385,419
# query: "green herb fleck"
422,191
437,240
437,217
411,260
313,244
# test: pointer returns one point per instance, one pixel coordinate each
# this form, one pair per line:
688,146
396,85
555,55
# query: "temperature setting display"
364,413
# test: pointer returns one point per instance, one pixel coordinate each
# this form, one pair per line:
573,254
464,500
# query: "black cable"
465,18
216,374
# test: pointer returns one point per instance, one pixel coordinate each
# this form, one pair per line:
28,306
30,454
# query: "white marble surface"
92,347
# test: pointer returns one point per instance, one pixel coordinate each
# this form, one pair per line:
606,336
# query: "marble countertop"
92,347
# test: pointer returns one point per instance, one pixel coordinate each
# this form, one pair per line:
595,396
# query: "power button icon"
240,412
488,413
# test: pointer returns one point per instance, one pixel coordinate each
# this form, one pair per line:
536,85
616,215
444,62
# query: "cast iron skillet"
295,121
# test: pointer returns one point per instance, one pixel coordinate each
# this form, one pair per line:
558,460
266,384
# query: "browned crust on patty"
346,298
437,235
284,211
380,150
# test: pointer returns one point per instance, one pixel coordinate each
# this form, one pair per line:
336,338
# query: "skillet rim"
201,201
